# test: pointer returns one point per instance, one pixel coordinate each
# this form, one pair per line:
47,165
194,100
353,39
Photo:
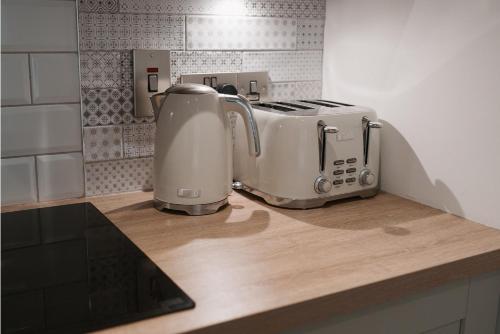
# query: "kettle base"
192,210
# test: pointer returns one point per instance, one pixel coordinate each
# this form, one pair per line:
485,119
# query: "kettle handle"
246,111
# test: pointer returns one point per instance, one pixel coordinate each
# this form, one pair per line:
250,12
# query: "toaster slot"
274,106
339,103
319,103
298,106
367,125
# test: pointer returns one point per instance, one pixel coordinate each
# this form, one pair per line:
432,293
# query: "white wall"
431,69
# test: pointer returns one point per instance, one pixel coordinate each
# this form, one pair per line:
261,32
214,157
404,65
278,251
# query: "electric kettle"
193,166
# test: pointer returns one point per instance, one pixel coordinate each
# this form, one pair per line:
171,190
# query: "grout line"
38,154
319,18
36,179
30,78
124,158
185,32
208,50
38,52
77,9
39,104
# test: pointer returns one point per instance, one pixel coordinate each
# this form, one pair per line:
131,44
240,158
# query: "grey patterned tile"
131,31
240,33
310,8
308,90
109,106
220,7
279,64
191,62
102,143
308,66
118,176
278,8
139,140
286,8
310,34
274,8
282,91
285,66
98,6
105,69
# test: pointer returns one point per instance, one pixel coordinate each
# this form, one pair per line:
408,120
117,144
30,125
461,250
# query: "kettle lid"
190,88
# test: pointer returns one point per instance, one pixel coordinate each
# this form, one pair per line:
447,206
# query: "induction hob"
68,269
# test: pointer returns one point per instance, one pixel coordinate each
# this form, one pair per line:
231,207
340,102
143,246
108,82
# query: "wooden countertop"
256,268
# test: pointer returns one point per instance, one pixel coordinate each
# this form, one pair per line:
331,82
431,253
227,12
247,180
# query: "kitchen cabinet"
463,307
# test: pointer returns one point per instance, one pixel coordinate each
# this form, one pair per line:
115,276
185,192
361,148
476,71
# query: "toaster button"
350,180
338,162
337,182
351,160
338,172
350,170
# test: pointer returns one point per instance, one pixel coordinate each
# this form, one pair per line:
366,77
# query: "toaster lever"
374,125
330,129
367,125
323,129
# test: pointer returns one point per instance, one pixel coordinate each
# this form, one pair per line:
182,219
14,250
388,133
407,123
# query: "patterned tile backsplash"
109,69
240,33
310,34
282,91
109,106
99,6
308,90
283,37
131,31
139,140
184,62
274,8
285,66
118,176
102,143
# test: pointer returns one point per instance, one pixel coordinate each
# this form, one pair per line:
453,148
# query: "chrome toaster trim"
192,210
291,203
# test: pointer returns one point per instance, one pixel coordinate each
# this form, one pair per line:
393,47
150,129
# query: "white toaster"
312,152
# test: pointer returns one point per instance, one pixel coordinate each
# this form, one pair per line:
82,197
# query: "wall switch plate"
151,76
254,85
211,79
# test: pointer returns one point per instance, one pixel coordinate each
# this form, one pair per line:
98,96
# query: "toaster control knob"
322,185
366,177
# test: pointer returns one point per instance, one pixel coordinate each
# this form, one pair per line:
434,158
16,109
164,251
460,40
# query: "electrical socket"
221,78
258,91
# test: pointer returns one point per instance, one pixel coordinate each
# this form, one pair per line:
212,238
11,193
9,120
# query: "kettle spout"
157,102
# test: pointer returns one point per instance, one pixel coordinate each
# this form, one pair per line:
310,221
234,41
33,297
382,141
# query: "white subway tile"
54,78
18,180
60,176
39,25
15,79
41,129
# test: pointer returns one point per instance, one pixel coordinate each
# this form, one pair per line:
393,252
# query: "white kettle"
193,167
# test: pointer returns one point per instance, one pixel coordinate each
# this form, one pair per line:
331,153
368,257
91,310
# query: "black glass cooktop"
68,269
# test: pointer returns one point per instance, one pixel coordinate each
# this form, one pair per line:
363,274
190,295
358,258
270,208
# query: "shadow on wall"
400,164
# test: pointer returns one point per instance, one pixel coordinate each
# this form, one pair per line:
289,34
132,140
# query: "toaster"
312,152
